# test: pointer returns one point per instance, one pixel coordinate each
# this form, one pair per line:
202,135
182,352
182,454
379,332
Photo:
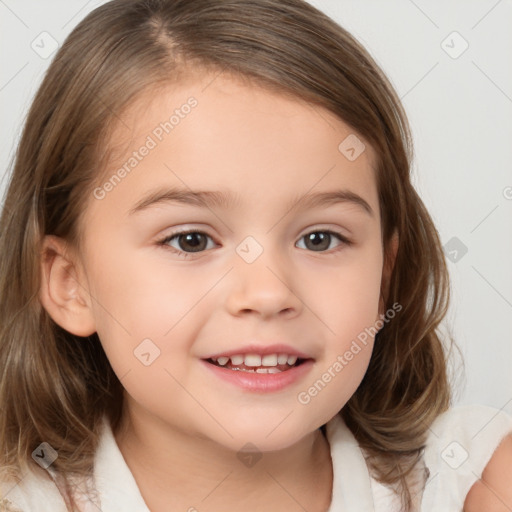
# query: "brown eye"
319,241
187,241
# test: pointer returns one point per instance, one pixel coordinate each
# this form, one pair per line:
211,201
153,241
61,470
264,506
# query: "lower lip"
262,382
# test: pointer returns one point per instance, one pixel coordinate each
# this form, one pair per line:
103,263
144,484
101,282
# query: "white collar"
114,481
118,489
352,483
351,486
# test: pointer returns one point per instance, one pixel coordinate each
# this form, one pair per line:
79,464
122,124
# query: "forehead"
215,131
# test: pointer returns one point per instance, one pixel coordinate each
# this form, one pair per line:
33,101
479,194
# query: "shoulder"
470,428
6,505
34,491
466,447
493,492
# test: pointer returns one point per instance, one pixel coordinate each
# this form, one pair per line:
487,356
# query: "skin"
180,419
493,492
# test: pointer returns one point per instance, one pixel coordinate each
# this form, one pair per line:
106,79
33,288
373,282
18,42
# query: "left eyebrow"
225,199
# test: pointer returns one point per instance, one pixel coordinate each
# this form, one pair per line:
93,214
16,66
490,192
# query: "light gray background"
460,110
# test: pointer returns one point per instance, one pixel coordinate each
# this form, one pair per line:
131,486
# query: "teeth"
236,360
268,370
282,359
252,360
259,370
292,360
270,361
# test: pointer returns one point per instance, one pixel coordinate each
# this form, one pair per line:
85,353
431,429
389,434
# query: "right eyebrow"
226,199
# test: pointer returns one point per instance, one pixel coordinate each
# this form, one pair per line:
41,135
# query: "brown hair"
56,386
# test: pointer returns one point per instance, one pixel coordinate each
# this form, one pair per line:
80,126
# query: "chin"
266,438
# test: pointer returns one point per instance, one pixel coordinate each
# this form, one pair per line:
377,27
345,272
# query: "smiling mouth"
260,368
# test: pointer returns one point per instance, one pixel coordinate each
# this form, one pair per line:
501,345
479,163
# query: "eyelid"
163,241
345,241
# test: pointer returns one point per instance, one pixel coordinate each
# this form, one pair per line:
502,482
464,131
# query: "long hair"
56,386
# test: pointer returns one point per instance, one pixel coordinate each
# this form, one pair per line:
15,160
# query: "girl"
219,289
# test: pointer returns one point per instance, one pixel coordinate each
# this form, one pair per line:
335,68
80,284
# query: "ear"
62,292
387,270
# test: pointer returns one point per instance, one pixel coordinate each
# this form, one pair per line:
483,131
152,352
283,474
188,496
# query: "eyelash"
345,241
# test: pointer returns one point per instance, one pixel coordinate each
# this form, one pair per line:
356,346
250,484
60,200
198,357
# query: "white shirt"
460,444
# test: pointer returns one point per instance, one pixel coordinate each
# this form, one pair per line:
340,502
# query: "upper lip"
261,350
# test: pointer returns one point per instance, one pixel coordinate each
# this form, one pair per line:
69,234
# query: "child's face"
256,278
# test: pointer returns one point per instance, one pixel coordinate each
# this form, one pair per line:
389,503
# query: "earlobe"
62,294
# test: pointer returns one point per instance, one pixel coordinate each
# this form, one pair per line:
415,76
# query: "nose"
264,287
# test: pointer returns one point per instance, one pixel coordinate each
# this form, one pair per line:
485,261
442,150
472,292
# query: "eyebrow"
226,199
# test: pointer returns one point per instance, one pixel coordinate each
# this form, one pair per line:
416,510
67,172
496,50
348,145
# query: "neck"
175,470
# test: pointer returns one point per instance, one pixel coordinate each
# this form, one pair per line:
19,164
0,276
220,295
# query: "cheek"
148,309
347,295
144,309
349,302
